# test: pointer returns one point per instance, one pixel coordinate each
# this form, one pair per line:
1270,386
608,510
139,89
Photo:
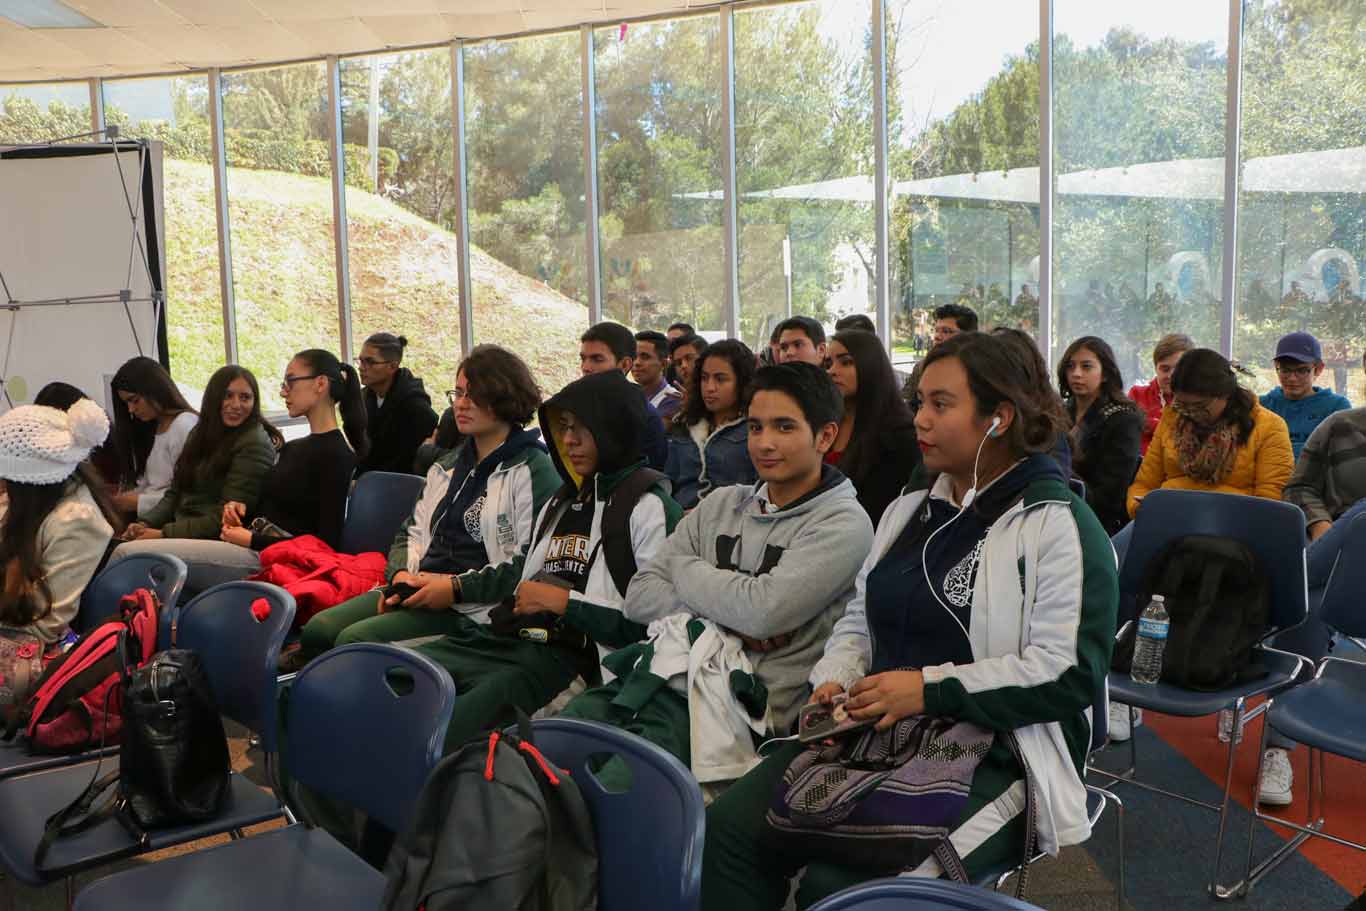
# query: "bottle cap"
1159,598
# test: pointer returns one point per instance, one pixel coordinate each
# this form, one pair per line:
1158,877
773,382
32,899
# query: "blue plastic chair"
379,504
908,893
239,653
366,725
164,574
1096,801
1326,714
1274,532
650,836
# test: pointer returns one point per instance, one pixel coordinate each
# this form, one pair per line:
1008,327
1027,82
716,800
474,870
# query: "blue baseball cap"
1299,346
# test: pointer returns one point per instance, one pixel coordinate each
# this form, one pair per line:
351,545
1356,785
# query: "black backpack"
615,542
497,825
1216,596
174,767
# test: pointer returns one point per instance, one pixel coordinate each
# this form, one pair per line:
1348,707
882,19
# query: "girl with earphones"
989,596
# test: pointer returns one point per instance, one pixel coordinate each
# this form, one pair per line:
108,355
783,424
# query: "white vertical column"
1232,154
731,218
881,179
462,211
593,250
96,105
340,245
1046,179
220,199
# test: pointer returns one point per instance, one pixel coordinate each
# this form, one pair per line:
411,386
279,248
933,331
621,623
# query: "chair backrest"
163,573
1271,529
649,836
379,503
915,894
1100,712
240,650
366,725
1341,608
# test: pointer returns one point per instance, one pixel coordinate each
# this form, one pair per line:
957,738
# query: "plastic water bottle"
1153,624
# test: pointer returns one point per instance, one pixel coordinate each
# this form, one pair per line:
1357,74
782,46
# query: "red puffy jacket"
316,575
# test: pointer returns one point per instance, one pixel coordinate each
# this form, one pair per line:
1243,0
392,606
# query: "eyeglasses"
454,395
369,362
1299,370
289,381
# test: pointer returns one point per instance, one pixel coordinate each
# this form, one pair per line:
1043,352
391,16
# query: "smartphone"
402,589
819,722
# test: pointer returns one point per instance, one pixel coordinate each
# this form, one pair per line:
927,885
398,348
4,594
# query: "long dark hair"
132,438
1111,381
343,388
996,374
1202,371
29,507
878,405
741,360
207,450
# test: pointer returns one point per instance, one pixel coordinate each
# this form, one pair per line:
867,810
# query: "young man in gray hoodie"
770,564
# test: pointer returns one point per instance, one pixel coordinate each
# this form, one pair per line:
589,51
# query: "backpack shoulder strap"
616,524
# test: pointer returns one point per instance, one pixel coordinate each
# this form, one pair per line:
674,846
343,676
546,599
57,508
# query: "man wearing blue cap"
1299,361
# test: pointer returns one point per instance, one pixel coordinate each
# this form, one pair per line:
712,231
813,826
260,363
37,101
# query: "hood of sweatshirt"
833,488
612,409
405,387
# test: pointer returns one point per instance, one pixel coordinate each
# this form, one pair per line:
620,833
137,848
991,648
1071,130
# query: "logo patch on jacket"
725,555
507,534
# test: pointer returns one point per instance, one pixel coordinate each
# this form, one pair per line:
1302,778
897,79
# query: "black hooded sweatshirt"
398,427
612,409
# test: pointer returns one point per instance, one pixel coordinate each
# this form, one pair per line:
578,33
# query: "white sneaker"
1119,729
1277,777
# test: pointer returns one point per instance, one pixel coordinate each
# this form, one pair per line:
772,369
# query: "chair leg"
70,885
1238,708
1119,842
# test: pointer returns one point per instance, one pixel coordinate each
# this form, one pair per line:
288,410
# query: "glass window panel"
400,208
1138,119
963,136
804,163
280,212
659,173
37,113
175,112
525,162
1302,194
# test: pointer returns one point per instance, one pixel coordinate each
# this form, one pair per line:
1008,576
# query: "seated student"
1329,486
150,430
399,415
707,448
1157,395
801,338
652,354
673,333
444,438
464,544
684,353
225,459
942,626
611,346
1106,427
305,491
772,564
949,320
876,447
1214,437
860,321
595,423
1299,362
58,522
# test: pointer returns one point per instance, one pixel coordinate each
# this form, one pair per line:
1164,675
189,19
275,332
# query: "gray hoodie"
763,572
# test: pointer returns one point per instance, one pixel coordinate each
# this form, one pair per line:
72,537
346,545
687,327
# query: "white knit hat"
40,445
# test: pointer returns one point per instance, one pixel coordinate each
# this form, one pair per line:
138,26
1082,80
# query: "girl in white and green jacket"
989,596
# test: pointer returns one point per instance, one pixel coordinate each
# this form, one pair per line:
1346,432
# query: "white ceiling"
159,36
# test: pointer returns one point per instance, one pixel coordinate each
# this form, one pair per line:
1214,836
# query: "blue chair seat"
15,759
28,801
1171,700
1326,713
293,867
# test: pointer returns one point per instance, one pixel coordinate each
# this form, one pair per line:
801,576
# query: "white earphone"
967,501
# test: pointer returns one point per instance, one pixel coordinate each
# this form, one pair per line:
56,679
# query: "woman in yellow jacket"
1214,436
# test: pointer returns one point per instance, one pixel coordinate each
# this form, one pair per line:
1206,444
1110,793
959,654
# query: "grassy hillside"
403,279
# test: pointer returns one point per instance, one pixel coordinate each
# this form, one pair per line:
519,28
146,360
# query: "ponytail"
350,399
344,388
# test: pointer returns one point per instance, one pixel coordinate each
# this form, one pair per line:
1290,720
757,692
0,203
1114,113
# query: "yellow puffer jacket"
1261,469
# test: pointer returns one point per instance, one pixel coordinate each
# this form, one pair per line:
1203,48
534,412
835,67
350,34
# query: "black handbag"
174,767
